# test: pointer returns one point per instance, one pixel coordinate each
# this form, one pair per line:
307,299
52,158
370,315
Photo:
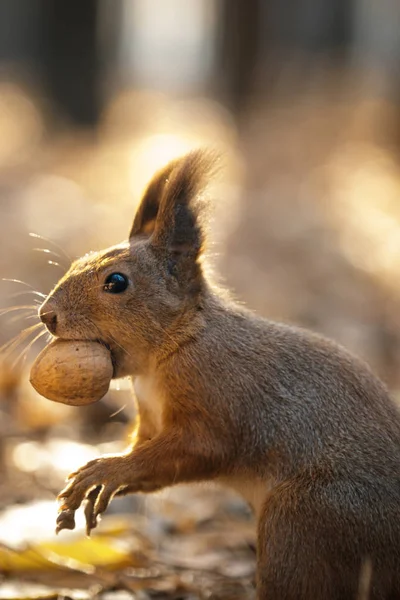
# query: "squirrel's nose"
48,316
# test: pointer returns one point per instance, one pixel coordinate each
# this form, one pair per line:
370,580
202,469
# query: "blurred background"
302,99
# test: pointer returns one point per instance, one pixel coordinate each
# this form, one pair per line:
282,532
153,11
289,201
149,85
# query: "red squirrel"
294,422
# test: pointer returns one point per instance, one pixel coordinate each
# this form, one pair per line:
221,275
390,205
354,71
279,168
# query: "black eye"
116,283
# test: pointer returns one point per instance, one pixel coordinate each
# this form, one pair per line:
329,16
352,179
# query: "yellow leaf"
81,554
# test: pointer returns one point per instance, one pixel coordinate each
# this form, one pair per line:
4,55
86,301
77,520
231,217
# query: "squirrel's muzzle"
48,316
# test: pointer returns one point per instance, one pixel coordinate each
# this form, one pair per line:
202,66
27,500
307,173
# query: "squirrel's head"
141,298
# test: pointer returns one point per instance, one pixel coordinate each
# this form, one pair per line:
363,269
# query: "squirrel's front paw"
96,483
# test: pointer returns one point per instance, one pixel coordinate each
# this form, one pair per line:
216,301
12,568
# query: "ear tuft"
145,217
177,227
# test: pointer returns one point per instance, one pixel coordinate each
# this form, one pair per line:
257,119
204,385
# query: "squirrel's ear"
178,229
145,217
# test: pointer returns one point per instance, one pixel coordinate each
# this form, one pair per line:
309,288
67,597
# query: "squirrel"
292,421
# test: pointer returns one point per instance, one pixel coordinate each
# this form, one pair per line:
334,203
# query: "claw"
65,520
63,495
94,485
103,500
90,515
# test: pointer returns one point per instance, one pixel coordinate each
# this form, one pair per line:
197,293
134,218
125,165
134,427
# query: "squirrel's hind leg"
293,556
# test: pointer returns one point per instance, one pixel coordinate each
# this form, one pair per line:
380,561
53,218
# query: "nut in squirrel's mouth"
112,354
118,358
103,343
114,351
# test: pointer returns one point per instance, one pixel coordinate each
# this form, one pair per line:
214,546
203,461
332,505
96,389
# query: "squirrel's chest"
150,401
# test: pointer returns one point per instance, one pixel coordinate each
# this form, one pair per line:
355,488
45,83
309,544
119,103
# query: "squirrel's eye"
116,283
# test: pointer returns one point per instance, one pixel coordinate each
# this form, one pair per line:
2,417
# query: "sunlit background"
302,101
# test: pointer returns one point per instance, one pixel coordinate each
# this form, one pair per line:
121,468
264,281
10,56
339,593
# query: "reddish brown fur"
294,422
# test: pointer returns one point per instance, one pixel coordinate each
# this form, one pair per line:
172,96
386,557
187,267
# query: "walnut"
72,372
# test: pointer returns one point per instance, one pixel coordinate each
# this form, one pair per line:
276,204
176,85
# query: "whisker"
120,345
41,237
56,264
24,352
25,307
20,337
48,251
16,294
160,327
21,282
96,287
22,318
119,410
111,337
153,321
